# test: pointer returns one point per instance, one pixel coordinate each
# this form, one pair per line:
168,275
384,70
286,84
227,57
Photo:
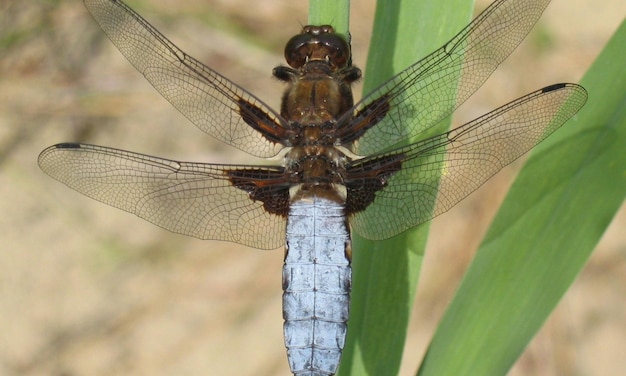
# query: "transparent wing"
431,89
440,171
195,199
209,100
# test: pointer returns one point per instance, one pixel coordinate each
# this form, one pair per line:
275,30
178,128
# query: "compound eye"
317,43
335,49
296,50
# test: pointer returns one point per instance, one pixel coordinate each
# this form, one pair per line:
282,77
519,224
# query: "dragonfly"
332,166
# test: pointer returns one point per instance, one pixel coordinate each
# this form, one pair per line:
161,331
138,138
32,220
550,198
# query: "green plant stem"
386,273
331,12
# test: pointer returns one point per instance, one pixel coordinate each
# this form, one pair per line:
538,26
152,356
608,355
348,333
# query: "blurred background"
86,289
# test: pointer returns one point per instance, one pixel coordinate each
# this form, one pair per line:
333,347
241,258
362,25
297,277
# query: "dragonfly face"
344,165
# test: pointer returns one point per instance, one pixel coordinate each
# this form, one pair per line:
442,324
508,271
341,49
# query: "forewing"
438,172
195,199
212,102
429,90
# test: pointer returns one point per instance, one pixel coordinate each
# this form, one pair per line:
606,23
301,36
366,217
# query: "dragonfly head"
318,43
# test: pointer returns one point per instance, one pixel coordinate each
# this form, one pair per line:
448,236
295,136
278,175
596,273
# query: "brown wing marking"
366,177
261,121
269,186
365,119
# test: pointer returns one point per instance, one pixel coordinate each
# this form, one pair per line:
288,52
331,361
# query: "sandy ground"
89,290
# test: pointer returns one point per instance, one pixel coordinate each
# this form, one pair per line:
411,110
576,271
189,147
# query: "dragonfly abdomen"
316,283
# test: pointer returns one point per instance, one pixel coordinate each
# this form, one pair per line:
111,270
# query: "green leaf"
386,272
331,12
553,217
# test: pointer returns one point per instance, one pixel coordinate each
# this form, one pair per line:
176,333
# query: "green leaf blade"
554,215
386,273
331,12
